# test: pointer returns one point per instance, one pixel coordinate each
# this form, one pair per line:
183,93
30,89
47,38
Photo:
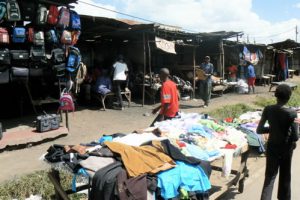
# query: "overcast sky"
265,21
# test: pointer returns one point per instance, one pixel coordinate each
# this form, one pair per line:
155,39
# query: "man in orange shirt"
169,98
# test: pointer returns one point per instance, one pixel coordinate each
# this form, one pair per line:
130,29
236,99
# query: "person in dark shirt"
283,134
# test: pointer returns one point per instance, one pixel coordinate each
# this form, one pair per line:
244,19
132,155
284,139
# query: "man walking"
169,98
205,86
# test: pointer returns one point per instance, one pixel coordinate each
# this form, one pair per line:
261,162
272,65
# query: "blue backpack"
19,35
75,20
74,59
2,9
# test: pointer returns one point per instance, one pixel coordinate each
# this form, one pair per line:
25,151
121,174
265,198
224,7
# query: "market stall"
158,154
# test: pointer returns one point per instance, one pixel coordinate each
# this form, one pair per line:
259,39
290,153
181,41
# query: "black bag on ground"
58,56
4,57
37,53
60,70
47,123
19,54
4,75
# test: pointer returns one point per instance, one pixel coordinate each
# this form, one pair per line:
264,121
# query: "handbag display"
4,75
19,54
4,57
47,122
37,53
60,70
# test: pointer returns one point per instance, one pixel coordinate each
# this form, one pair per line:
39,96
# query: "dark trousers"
278,161
117,85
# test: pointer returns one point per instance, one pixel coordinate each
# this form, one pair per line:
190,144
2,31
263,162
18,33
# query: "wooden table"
291,73
275,84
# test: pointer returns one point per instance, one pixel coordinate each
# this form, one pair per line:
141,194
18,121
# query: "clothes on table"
172,180
93,163
141,160
103,85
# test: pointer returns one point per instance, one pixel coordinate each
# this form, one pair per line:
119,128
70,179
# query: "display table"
275,84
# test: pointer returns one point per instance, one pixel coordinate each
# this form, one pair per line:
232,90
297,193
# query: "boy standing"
283,134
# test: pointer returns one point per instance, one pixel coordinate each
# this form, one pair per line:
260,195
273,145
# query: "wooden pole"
144,44
149,57
194,75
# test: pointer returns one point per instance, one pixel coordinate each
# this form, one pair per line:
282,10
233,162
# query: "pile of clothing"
135,166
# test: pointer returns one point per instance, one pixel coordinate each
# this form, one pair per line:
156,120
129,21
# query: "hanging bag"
74,59
75,23
28,10
30,34
66,102
13,11
53,15
19,35
58,56
39,38
2,9
41,17
64,18
4,75
37,53
4,36
66,37
4,57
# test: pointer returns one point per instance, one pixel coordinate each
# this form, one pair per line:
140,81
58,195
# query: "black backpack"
58,56
4,57
28,9
37,53
13,11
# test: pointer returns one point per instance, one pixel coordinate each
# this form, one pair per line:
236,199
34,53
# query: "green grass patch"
293,102
232,111
36,183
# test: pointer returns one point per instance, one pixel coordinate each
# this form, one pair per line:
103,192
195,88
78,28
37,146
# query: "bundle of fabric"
135,166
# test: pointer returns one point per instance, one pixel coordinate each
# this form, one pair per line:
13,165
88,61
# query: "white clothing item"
119,73
135,139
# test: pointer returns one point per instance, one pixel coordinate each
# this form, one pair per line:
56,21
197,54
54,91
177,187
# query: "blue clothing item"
250,72
208,68
103,85
197,152
191,178
200,130
105,138
213,153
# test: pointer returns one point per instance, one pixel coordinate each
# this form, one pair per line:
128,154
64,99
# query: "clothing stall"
153,156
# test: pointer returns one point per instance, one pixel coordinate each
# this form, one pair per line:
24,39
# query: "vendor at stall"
120,70
232,72
169,98
205,86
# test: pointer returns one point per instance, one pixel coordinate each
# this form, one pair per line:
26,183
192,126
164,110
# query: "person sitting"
103,84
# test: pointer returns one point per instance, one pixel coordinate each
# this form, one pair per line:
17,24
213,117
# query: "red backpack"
4,36
30,34
66,102
53,15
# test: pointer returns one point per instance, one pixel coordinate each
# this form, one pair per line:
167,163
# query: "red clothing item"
169,95
251,81
233,70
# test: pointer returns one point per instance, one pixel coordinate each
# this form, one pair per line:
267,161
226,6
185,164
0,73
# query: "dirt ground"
89,124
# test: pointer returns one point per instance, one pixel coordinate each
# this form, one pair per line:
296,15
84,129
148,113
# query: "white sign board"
165,45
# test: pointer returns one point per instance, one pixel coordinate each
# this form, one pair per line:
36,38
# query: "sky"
262,21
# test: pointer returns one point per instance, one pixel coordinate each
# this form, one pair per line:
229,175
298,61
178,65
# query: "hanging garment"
141,160
247,54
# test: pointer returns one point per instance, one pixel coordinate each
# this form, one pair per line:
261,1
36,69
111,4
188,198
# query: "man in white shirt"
120,76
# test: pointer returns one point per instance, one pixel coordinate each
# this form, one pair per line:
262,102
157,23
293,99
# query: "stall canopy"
152,40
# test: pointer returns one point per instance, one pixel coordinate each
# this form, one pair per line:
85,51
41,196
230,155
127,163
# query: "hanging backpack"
75,37
41,17
4,36
74,59
27,9
37,53
58,56
64,18
13,11
4,57
66,37
38,38
53,15
80,77
2,9
60,70
19,35
66,102
30,34
51,37
75,20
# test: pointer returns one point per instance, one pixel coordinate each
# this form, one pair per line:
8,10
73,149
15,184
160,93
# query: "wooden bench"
126,93
275,84
266,80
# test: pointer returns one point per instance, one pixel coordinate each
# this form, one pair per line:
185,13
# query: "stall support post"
149,59
194,68
144,44
222,59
